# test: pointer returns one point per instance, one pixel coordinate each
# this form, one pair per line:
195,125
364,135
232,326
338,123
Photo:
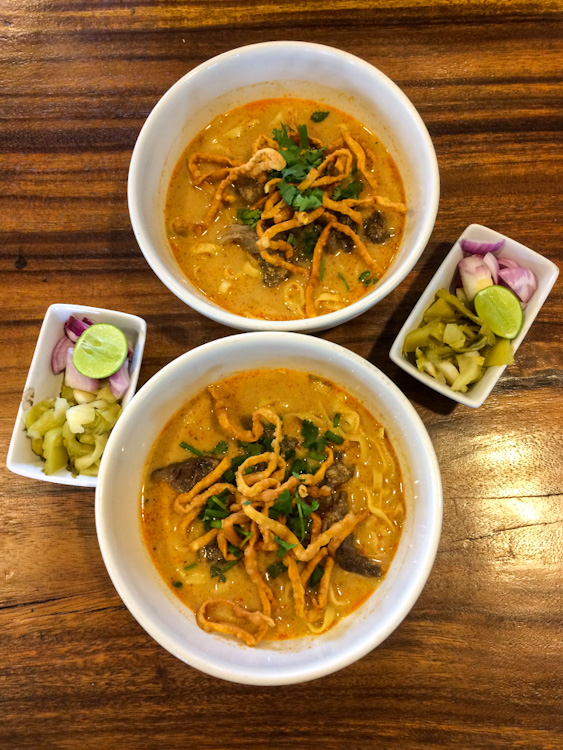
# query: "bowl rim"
207,307
409,592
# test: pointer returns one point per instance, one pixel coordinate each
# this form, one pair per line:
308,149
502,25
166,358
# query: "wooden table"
477,663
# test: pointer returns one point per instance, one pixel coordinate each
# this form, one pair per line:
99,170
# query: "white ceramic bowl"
546,273
41,384
277,69
145,593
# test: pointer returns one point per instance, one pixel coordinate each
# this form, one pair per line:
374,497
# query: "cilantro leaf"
319,116
352,190
306,200
310,433
284,547
246,216
303,137
220,448
336,420
310,238
177,584
190,566
276,569
282,506
216,572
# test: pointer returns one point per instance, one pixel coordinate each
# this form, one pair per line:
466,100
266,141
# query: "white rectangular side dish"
546,273
41,383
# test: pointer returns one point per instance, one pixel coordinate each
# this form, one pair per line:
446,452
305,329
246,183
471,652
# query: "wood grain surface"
478,661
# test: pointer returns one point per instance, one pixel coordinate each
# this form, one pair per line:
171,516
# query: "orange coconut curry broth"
272,505
284,209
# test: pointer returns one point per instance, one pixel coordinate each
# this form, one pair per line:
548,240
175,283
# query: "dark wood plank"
477,663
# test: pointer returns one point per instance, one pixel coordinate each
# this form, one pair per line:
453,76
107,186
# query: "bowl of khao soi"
268,199
269,507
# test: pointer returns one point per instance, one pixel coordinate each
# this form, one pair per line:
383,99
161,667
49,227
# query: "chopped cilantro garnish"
190,566
247,216
366,278
288,455
188,447
291,239
336,420
343,280
276,569
220,448
317,456
333,437
234,550
303,136
352,190
306,200
177,584
319,116
299,521
282,506
300,466
244,533
315,576
284,547
310,433
216,572
229,565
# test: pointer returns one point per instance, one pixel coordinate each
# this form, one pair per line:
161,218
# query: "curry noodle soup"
272,505
285,209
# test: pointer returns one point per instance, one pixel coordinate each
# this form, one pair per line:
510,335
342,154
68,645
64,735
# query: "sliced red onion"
519,280
475,275
74,328
88,321
508,263
58,356
493,266
480,248
74,379
120,380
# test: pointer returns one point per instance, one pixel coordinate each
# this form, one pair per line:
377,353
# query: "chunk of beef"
211,553
249,189
272,275
338,240
184,475
376,228
242,235
347,555
350,559
340,471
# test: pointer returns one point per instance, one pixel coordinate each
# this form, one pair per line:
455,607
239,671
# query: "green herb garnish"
234,550
306,200
190,566
319,116
220,448
284,547
249,217
177,584
214,510
315,576
352,190
343,280
366,278
276,569
188,447
216,572
282,506
333,437
336,420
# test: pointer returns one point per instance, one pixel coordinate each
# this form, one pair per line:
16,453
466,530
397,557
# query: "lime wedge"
500,309
100,351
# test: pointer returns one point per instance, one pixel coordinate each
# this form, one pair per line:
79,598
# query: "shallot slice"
480,248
